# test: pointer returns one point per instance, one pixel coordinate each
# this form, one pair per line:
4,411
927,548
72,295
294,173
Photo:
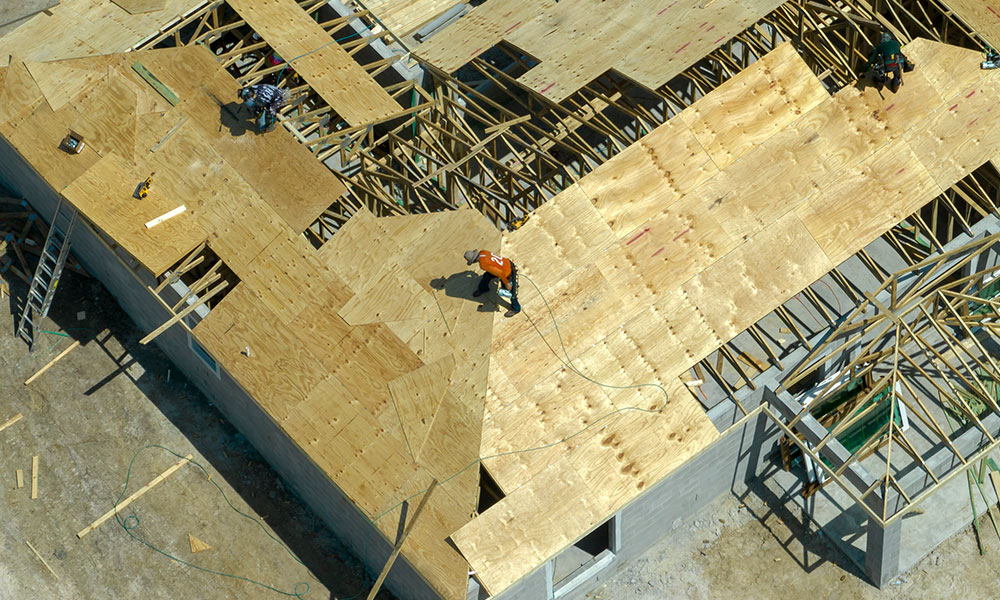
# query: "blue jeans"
484,286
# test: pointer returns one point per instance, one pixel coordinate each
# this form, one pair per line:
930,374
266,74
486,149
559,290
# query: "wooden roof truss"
804,317
924,343
836,38
451,143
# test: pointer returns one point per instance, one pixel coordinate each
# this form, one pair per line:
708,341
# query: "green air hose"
131,522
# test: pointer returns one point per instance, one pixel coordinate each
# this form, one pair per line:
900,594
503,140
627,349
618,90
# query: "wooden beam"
157,85
168,215
402,538
468,156
48,366
156,481
34,477
11,421
174,319
39,557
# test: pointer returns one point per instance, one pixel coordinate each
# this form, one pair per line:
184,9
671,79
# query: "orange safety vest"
495,265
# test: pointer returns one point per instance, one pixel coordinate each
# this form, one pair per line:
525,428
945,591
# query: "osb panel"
754,105
518,533
576,42
648,176
104,195
327,67
477,31
20,94
107,116
738,290
983,17
62,81
868,200
77,28
405,16
417,396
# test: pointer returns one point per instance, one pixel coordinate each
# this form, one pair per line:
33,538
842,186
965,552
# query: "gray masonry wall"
724,467
347,522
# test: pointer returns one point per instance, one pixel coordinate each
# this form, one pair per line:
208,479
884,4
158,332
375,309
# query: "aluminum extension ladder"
46,277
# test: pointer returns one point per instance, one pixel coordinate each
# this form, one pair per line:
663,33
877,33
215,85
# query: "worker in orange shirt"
496,267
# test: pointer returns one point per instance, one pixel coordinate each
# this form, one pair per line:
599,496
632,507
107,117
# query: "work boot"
510,313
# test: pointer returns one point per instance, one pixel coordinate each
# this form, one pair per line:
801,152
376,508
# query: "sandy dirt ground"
85,419
742,550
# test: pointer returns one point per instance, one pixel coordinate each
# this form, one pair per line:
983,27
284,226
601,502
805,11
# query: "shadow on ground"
817,548
225,450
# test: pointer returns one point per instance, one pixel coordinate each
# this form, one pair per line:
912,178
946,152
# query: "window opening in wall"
585,559
489,491
203,355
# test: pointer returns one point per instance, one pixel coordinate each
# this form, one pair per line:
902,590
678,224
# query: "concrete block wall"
347,522
724,467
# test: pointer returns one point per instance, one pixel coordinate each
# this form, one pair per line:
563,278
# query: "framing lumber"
34,477
39,557
165,216
327,67
11,421
185,312
138,494
402,539
151,79
50,364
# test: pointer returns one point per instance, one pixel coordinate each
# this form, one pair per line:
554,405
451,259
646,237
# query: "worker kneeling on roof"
888,59
496,267
264,101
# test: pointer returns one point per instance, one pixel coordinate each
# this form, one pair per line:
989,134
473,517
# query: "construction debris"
52,362
39,557
197,545
138,494
11,421
34,477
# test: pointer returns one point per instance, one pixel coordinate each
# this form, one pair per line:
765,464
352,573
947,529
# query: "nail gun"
992,59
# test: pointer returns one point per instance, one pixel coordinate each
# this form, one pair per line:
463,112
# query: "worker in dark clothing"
888,59
496,267
264,101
